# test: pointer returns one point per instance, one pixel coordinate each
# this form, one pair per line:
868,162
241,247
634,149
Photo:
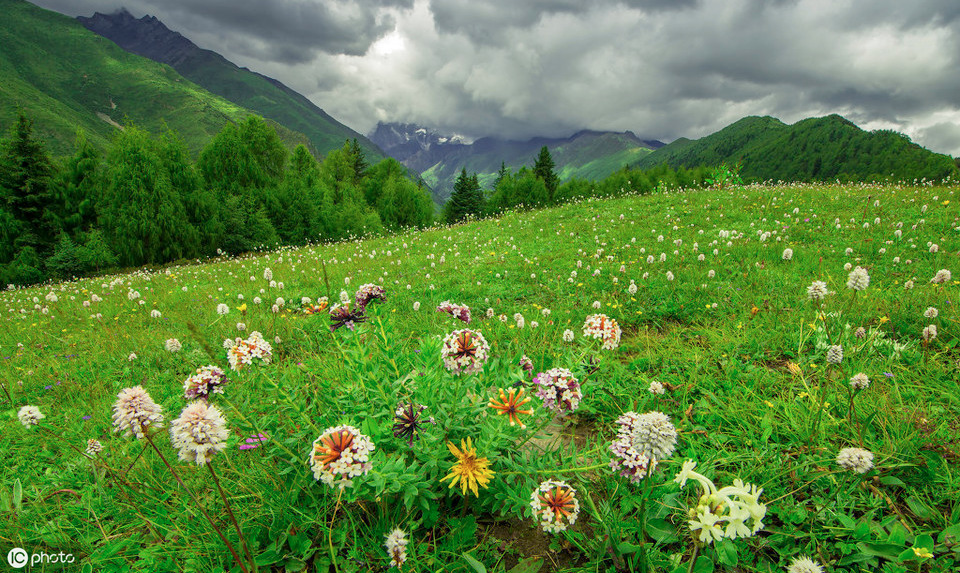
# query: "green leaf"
529,565
924,541
885,550
919,508
662,531
727,553
477,566
293,565
952,531
898,535
268,557
704,565
890,480
17,495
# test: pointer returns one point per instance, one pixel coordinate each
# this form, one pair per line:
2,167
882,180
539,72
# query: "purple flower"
253,442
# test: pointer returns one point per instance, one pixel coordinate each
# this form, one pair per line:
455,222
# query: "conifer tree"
544,170
25,184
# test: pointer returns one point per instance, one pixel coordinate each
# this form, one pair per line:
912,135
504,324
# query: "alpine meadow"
239,336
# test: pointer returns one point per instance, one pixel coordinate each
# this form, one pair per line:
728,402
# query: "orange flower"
469,470
511,404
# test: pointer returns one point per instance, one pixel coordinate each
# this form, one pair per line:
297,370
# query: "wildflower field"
759,378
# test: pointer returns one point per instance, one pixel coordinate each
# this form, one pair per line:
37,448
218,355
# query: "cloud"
663,69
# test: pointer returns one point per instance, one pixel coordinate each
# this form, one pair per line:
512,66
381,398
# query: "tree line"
145,201
540,186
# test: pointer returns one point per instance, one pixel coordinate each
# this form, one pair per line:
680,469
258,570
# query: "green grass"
741,354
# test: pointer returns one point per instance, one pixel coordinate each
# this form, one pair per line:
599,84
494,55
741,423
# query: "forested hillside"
814,149
145,201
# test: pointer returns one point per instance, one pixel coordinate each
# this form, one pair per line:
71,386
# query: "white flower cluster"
199,432
642,441
135,410
855,459
243,351
465,351
207,380
817,290
396,545
602,327
858,279
555,504
30,416
340,454
732,505
559,390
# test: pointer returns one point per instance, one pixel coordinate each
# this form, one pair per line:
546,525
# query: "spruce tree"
467,198
25,183
544,170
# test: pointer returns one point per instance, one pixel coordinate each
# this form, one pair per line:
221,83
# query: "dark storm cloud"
291,31
661,68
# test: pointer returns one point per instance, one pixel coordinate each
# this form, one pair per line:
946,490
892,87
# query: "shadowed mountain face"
439,158
150,38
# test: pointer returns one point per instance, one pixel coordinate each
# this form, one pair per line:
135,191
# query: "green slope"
822,149
66,77
267,97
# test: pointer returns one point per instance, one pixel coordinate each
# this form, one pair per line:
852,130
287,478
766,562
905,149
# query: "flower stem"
223,496
558,470
176,476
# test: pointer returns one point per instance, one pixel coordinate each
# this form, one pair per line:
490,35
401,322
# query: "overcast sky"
660,68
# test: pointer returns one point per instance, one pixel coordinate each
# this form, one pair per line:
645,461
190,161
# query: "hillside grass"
740,351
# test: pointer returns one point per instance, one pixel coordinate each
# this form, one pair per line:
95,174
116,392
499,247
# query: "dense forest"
144,201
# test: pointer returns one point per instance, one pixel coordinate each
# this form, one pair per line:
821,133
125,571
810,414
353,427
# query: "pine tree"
544,170
77,187
466,199
25,183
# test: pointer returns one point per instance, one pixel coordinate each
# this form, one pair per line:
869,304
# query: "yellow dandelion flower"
469,470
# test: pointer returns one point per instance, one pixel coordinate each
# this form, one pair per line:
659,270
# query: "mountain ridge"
269,97
589,154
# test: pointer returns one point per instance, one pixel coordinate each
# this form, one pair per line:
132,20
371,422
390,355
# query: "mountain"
150,38
813,149
439,158
65,77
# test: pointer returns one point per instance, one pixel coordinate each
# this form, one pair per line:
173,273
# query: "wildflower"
134,411
241,326
471,471
835,354
368,293
859,381
267,274
596,304
559,390
132,357
342,315
155,313
207,380
942,276
858,279
173,345
908,285
860,332
94,447
465,351
341,452
416,305
406,420
526,364
510,404
931,313
632,289
817,290
222,309
787,254
568,335
555,504
669,276
243,352
30,416
655,388
855,459
929,332
642,441
253,442
396,544
602,327
733,505
199,432
804,564
459,311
